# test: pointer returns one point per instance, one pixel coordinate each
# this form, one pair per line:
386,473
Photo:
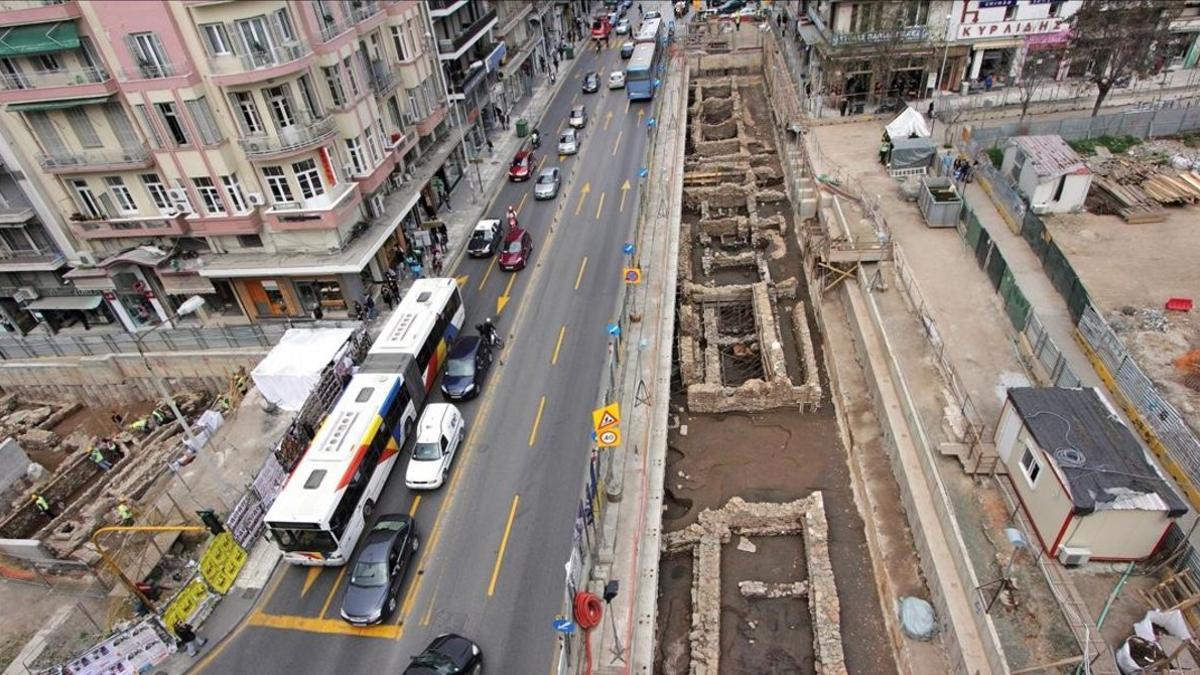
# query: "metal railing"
308,132
149,71
76,158
257,59
331,28
451,45
364,10
57,78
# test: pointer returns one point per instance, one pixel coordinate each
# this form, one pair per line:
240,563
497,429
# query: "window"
87,200
1056,8
279,102
12,76
148,52
47,63
249,241
216,38
373,146
278,183
173,121
116,185
248,119
1010,12
311,102
1030,466
81,124
151,130
400,39
394,111
309,179
333,80
119,122
354,147
210,133
283,22
348,64
209,195
157,191
234,189
256,38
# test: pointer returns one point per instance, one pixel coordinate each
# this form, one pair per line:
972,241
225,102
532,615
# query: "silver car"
568,142
578,117
547,184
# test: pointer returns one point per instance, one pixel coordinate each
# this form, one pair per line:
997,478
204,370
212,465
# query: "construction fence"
1159,120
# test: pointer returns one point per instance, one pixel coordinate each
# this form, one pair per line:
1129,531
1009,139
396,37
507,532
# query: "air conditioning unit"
177,194
26,294
169,213
256,199
1073,557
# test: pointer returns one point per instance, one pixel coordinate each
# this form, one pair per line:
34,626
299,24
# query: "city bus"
642,71
650,31
323,507
421,329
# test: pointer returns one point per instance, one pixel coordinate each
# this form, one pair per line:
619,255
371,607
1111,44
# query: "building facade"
261,154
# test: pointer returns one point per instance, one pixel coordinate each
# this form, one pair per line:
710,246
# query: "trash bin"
522,127
569,52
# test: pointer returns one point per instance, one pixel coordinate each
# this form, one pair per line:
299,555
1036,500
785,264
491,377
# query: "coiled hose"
588,611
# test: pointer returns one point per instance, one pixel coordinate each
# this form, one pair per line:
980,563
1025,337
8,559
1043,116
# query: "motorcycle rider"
487,330
535,139
511,216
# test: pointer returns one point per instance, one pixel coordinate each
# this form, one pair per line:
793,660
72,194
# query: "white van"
439,435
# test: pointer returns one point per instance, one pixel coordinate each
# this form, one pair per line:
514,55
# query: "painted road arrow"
607,119
583,193
624,189
503,299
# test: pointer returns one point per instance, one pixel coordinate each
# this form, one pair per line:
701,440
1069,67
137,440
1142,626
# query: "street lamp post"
189,306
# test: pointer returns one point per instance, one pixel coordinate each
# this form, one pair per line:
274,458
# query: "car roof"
465,346
523,154
513,235
569,131
548,172
578,108
433,421
486,224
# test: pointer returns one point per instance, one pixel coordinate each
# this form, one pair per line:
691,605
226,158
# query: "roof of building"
1051,156
1102,462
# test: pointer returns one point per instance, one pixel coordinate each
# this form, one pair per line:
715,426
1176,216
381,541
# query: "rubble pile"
1136,184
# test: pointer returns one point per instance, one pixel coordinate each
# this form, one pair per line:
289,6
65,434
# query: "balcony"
51,85
450,48
461,85
79,161
26,12
331,28
32,260
307,132
440,8
257,60
361,10
109,228
383,79
15,215
149,71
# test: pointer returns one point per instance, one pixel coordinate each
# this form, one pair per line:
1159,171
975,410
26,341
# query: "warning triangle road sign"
607,420
607,417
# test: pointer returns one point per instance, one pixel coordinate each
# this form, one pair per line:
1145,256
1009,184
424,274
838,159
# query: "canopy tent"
911,153
287,374
908,123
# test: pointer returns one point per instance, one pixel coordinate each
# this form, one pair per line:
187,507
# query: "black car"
378,572
448,654
469,361
485,238
591,83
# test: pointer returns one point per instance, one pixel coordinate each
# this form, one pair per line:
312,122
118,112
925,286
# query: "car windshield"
437,662
545,179
464,367
567,138
518,162
514,246
427,451
480,235
578,112
369,575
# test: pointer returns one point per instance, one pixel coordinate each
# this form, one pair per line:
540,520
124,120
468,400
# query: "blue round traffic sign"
628,248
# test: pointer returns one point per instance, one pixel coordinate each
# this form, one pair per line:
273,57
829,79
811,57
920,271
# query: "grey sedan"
568,142
548,182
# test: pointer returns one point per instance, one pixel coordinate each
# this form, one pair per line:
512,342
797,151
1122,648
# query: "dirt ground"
1136,268
37,606
95,420
775,456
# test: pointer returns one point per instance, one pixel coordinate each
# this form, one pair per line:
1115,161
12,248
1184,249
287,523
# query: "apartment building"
1003,37
462,32
259,154
530,46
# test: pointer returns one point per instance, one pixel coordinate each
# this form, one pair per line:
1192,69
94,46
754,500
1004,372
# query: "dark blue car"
468,363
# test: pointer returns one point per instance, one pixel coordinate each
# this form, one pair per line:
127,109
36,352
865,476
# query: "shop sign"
988,29
497,55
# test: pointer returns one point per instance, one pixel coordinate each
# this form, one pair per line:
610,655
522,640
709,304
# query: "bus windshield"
310,541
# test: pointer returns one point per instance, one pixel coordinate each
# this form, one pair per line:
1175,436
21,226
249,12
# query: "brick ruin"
735,352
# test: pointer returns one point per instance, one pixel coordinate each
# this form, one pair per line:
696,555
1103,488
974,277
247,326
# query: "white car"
439,435
622,27
652,15
568,142
616,79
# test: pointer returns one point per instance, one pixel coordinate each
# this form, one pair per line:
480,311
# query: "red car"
601,26
522,166
514,255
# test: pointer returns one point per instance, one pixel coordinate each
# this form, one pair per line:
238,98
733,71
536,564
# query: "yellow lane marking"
462,280
412,510
328,626
536,421
504,297
333,591
429,610
266,598
541,162
583,193
521,204
607,119
309,579
504,542
599,206
575,98
561,125
582,267
624,189
618,143
487,273
561,332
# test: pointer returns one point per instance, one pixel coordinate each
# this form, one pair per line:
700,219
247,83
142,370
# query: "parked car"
522,166
518,245
468,363
616,79
485,238
548,182
627,50
578,117
448,654
568,142
377,573
652,15
591,83
731,6
439,434
622,27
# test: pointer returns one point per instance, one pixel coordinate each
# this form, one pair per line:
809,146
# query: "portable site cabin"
1081,476
1047,172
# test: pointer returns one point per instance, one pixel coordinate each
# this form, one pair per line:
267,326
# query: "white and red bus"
421,329
325,503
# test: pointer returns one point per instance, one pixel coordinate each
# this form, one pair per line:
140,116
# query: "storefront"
273,298
1046,55
80,311
996,59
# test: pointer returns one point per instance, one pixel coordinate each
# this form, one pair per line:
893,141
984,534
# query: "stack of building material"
1128,201
1174,189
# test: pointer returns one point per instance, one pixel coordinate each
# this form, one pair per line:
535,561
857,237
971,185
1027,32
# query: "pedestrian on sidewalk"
388,299
44,506
491,148
356,314
97,456
371,313
437,263
188,638
124,514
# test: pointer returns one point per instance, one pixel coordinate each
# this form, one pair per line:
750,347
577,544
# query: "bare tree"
1119,39
895,29
1035,74
950,115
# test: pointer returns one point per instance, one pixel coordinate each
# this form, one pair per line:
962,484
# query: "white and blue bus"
651,31
643,71
421,330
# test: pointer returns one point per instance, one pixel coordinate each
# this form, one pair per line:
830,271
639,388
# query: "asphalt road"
495,538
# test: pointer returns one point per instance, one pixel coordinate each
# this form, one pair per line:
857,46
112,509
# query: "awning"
39,38
57,104
66,302
186,284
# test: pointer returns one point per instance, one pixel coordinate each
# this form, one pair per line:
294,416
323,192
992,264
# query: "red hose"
588,610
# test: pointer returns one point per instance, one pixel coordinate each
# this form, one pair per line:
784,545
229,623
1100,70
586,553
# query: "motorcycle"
535,139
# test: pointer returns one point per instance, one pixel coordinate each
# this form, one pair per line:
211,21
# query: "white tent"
908,123
287,374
